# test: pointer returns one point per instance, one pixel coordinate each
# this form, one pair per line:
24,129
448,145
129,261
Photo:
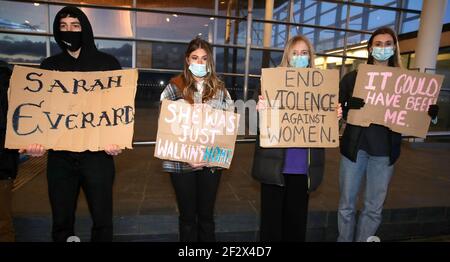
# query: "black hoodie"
8,158
90,59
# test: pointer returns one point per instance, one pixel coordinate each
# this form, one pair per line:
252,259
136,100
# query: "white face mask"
382,53
198,70
299,61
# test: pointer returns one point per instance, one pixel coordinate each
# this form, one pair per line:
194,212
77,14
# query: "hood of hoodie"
87,36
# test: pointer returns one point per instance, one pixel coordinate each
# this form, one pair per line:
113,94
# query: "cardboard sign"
301,107
395,98
196,133
74,111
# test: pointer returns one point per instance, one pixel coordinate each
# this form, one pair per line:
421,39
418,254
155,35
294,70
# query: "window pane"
230,31
447,15
160,55
391,3
123,3
357,39
279,34
328,40
413,4
410,25
236,60
23,16
191,6
280,8
150,86
319,13
379,18
173,27
235,86
104,22
22,49
230,60
121,50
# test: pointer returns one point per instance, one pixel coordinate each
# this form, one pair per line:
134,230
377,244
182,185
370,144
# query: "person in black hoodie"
9,160
67,172
367,153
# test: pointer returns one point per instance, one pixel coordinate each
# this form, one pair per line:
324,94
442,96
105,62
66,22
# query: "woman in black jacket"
367,152
288,175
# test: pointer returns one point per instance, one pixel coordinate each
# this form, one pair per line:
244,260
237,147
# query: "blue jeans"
377,173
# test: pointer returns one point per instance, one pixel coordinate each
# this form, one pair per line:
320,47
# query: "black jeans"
67,172
284,210
196,195
6,219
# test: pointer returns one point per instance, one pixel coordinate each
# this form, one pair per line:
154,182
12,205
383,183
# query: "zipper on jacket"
309,163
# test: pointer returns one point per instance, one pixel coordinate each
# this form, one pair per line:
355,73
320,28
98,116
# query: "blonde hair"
290,45
212,83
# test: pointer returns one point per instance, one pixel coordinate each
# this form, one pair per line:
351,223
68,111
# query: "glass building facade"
152,35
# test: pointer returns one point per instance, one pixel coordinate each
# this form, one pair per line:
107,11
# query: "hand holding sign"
339,111
113,150
34,150
433,111
355,103
261,105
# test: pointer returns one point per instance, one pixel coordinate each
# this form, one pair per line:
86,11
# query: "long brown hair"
394,60
290,45
212,83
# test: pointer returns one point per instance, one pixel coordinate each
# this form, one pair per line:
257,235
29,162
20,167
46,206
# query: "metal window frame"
400,12
248,18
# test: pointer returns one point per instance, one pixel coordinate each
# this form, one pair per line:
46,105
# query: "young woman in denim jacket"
367,153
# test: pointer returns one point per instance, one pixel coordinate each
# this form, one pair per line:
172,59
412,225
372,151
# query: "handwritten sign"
196,133
74,111
396,98
302,108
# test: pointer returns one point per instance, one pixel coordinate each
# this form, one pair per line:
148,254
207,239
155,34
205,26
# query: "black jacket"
350,142
268,164
9,159
90,59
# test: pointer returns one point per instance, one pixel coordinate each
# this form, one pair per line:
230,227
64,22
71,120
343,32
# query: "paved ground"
421,180
143,192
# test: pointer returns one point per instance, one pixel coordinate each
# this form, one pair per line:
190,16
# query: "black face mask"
71,40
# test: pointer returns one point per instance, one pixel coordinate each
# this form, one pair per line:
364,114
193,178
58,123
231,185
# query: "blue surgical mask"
299,61
198,70
382,54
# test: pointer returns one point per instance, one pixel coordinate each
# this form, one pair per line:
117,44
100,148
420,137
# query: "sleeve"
256,93
345,91
44,64
229,103
5,75
167,93
115,65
